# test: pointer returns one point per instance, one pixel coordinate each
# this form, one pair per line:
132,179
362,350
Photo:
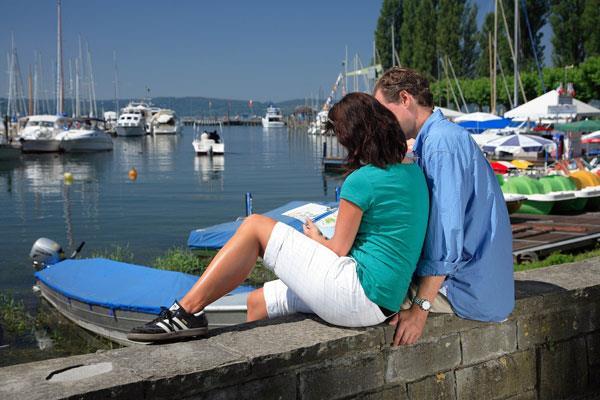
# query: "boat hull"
202,147
115,324
130,131
167,130
40,146
272,124
9,152
86,145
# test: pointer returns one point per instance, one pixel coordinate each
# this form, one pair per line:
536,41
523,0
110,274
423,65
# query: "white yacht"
132,121
86,135
40,133
273,118
165,122
111,122
208,143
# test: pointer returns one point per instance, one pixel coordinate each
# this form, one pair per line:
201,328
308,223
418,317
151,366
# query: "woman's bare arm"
346,227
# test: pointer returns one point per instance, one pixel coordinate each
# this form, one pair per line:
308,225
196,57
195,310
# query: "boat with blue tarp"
110,298
215,237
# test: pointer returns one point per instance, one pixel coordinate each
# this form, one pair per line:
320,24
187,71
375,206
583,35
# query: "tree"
424,51
565,18
589,22
469,35
448,32
390,14
407,29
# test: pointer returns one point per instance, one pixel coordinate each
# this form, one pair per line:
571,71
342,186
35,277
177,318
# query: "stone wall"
548,349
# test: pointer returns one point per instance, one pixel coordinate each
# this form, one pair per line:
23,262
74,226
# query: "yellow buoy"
133,174
68,177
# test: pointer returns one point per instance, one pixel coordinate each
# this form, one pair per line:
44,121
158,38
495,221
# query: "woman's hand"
311,230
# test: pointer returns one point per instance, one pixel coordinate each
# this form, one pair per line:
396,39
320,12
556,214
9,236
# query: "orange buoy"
133,174
68,177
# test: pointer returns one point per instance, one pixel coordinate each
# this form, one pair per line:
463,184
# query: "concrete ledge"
548,348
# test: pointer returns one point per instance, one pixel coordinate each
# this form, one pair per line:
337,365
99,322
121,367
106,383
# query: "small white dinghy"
208,143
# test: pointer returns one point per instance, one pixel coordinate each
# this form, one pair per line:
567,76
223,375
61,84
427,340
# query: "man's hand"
409,325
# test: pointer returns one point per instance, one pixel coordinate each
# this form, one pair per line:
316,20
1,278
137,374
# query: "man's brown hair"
397,79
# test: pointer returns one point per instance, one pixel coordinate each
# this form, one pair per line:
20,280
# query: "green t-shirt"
395,205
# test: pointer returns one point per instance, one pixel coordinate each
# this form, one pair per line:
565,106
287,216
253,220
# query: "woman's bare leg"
232,264
257,307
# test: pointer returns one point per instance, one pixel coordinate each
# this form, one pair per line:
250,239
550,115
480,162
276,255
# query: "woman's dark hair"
368,130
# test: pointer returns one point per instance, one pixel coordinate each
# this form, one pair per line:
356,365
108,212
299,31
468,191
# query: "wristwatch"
424,304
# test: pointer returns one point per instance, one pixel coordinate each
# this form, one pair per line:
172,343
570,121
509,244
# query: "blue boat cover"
216,236
480,126
117,285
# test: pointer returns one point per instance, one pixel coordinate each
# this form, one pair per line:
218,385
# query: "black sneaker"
172,324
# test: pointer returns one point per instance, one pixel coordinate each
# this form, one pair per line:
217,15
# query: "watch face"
426,305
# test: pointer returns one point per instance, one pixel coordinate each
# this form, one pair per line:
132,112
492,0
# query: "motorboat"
86,135
273,118
40,133
132,121
165,122
208,143
111,118
110,298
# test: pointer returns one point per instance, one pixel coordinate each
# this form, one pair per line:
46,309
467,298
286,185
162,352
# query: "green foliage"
183,260
469,35
116,253
558,258
407,31
391,13
568,42
423,47
13,316
585,77
195,262
589,22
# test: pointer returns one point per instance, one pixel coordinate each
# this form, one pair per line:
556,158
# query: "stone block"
272,347
509,375
552,325
410,363
438,387
275,388
343,378
391,393
563,369
488,342
530,395
593,348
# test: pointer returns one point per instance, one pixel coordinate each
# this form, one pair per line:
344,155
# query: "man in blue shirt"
466,261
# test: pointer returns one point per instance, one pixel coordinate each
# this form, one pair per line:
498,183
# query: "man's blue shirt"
469,237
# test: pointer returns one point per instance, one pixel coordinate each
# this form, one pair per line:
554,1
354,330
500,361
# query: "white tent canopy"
552,106
448,113
477,116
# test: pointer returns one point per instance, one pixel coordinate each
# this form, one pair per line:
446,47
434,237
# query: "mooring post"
248,198
337,193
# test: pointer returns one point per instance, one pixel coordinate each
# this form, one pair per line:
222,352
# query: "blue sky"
262,50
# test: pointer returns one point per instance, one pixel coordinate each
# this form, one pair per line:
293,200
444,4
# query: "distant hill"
192,106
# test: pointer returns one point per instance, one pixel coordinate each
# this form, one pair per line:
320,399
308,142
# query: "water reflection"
210,170
163,148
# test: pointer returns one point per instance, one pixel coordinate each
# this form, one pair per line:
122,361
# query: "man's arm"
410,323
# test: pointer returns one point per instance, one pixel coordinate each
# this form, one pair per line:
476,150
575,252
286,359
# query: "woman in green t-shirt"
358,277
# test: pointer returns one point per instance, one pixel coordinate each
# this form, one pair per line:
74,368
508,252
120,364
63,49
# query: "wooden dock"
536,236
189,121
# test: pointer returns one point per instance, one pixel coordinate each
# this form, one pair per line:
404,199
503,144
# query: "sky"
264,50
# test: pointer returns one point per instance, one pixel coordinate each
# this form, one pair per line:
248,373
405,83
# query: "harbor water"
175,192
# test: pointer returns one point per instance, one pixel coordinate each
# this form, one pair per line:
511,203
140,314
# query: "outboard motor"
45,252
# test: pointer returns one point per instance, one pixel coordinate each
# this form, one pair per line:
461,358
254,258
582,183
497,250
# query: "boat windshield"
42,124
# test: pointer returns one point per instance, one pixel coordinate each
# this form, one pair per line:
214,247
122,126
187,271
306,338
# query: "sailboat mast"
77,100
493,102
60,90
30,92
516,69
116,83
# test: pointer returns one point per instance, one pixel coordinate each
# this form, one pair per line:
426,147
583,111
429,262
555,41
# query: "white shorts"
313,279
